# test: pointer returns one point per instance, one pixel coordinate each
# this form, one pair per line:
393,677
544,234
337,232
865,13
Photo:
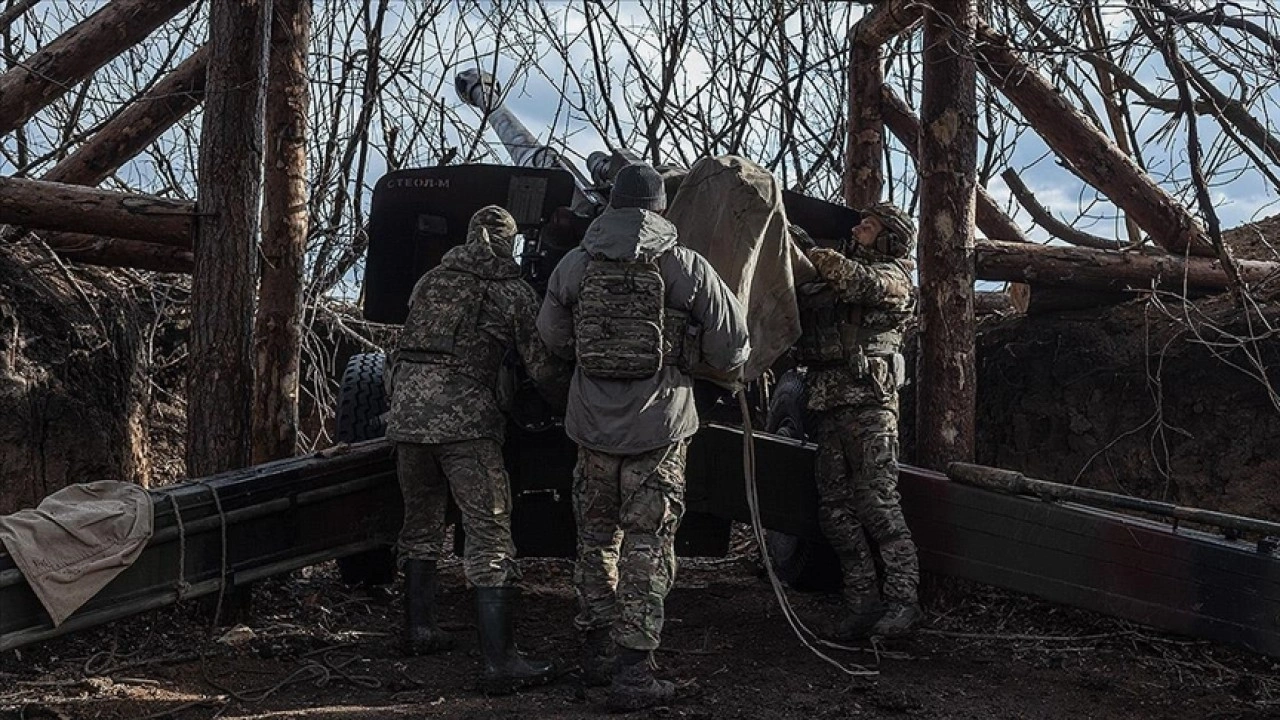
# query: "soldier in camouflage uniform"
852,324
628,304
465,316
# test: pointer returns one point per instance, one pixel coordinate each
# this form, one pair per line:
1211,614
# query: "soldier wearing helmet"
466,316
852,325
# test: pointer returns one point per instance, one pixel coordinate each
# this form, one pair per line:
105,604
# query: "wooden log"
948,164
903,123
40,205
115,252
277,334
76,54
1092,154
864,149
137,125
1115,270
223,285
864,153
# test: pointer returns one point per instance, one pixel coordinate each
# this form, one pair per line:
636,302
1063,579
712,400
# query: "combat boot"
422,635
634,686
505,669
859,618
900,619
597,660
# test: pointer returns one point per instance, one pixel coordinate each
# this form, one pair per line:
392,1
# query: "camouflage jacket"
456,397
877,287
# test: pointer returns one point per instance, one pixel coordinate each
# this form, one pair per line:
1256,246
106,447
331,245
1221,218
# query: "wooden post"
1092,154
137,125
864,152
220,369
41,205
947,397
51,71
277,333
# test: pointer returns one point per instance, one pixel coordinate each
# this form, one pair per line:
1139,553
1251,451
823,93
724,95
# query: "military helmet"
898,238
497,226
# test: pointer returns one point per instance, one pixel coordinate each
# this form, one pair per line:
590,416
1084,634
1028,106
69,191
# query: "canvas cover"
730,211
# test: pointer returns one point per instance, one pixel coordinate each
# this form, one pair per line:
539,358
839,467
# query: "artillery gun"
218,532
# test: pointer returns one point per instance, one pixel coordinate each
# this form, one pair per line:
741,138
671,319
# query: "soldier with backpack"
636,310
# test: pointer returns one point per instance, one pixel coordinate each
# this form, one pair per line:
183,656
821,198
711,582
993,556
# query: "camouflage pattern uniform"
853,392
465,317
628,508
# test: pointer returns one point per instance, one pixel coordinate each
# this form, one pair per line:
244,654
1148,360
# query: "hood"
629,234
477,258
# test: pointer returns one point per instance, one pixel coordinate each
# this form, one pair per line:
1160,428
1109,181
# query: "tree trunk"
864,153
278,326
72,57
994,222
948,164
41,205
137,125
220,374
886,20
1090,152
1083,267
114,252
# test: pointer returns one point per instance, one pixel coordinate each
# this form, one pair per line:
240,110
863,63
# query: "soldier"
852,324
465,316
629,304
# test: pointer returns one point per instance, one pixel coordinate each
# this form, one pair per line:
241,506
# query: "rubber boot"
900,619
422,635
598,657
859,617
505,669
634,686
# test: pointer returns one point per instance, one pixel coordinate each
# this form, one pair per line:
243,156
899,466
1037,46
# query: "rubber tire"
804,565
362,400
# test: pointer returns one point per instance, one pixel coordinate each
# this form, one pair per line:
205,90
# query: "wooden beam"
115,252
1108,269
40,205
223,285
57,67
948,161
1092,154
137,125
887,20
277,334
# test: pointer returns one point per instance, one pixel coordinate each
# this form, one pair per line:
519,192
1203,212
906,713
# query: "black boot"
900,619
422,635
634,686
505,669
597,657
859,617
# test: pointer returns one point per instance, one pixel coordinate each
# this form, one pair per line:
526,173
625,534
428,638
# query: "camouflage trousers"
474,471
628,508
857,479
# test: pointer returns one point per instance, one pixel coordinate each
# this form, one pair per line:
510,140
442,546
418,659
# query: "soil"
320,650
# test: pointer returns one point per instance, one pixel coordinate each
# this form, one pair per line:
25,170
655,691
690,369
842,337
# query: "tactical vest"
622,327
835,333
443,327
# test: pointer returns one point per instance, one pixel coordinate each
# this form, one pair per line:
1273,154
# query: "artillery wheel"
805,565
362,400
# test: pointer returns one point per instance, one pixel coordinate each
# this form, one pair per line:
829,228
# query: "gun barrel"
481,90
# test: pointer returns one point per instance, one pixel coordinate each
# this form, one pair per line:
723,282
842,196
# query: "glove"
801,238
826,261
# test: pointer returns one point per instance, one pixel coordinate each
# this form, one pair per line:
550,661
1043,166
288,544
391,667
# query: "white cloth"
730,211
77,540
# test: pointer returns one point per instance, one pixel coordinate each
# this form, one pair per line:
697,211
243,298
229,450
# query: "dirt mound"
1255,241
71,409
